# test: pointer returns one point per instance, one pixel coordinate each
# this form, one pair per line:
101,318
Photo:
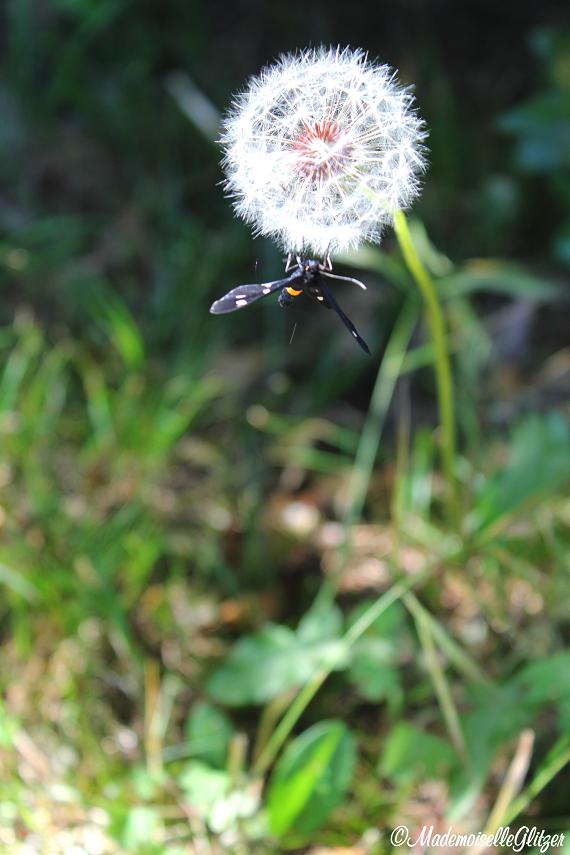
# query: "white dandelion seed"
322,149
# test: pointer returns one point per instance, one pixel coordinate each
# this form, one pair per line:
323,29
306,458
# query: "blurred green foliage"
182,494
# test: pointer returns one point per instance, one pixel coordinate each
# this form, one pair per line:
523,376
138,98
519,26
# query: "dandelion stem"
442,363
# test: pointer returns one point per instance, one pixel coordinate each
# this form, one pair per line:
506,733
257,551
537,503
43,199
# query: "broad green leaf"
498,715
209,732
373,663
386,625
271,662
411,754
321,623
546,681
373,673
311,778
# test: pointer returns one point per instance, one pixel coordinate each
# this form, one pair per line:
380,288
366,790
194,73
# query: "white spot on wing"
240,302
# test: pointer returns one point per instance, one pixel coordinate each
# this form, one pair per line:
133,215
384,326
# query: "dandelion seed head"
321,149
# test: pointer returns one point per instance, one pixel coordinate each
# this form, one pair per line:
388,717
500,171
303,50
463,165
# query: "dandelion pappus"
321,149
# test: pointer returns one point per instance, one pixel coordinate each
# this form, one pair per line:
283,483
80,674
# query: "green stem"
382,394
369,442
442,363
556,761
441,687
455,653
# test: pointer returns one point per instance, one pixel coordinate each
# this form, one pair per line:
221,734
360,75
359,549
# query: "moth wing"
244,295
332,304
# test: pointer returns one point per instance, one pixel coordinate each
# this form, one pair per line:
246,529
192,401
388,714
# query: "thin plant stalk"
441,687
153,718
386,379
443,375
554,764
508,806
382,394
513,781
457,656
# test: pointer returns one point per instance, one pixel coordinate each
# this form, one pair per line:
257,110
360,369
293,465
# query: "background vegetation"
237,614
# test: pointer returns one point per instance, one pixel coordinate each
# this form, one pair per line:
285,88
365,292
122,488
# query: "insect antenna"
330,275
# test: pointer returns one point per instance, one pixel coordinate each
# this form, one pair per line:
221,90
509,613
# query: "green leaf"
211,794
323,622
373,665
204,787
546,681
539,461
372,672
499,714
387,625
411,754
311,778
271,662
542,127
209,732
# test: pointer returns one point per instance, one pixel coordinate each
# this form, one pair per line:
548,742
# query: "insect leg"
331,303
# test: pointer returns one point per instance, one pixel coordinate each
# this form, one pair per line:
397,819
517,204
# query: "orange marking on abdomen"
292,292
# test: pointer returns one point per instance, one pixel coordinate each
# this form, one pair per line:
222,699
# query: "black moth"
307,278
